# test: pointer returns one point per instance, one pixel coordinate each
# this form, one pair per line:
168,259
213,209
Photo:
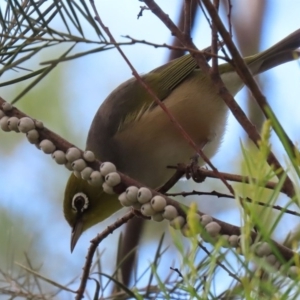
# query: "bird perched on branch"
132,131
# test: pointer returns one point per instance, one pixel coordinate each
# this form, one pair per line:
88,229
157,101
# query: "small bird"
132,131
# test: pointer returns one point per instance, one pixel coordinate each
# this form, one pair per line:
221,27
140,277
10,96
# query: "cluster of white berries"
140,198
72,159
154,206
77,162
264,250
25,125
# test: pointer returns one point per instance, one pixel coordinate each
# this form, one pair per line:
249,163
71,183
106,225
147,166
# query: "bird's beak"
76,233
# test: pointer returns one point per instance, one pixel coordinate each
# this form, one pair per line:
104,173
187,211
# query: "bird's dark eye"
80,202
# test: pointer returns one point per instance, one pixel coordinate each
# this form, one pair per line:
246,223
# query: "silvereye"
132,131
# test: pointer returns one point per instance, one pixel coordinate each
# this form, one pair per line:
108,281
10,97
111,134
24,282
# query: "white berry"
233,240
13,123
157,217
271,259
177,222
7,106
206,219
39,124
59,157
213,228
193,217
113,179
225,238
2,113
170,212
32,136
131,194
78,165
123,200
144,195
106,168
73,154
89,156
158,203
3,124
68,165
86,173
47,146
277,265
262,249
107,189
95,179
293,271
25,124
147,210
185,230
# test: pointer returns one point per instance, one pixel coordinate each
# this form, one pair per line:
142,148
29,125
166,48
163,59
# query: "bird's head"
86,205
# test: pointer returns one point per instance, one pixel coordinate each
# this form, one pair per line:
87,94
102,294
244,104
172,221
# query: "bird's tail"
282,52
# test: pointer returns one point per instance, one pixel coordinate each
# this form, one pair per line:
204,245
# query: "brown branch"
222,195
187,17
203,172
248,34
172,181
176,44
140,14
206,51
229,17
214,44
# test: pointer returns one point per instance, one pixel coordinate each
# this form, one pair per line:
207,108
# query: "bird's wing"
162,81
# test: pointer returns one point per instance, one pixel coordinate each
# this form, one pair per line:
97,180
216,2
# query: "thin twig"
187,18
222,195
203,172
219,263
94,244
181,21
214,43
205,52
229,17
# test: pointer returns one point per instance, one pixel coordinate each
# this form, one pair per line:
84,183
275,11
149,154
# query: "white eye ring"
80,202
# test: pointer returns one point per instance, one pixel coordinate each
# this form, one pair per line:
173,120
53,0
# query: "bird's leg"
192,169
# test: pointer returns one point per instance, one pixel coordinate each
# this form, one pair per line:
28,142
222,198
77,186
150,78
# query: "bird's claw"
192,170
